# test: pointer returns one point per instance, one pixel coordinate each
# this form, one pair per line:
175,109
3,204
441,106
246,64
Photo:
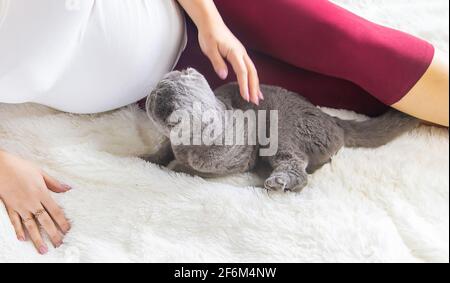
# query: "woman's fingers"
240,68
56,213
220,45
55,186
25,189
218,63
16,221
33,230
247,76
253,79
47,223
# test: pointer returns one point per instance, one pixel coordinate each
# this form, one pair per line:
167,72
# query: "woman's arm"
24,190
218,43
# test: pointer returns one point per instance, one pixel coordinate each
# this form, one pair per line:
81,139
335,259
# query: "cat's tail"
378,131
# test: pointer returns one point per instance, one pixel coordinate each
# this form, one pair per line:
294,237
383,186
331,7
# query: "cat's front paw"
285,182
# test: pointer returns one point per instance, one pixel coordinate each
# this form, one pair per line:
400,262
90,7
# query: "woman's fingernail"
223,74
43,250
66,187
21,238
66,228
247,96
261,96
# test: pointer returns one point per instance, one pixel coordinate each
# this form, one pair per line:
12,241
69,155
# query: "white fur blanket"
385,205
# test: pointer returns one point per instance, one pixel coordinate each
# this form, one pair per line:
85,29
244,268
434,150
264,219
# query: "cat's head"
176,93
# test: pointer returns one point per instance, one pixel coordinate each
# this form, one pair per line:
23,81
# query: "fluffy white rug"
385,205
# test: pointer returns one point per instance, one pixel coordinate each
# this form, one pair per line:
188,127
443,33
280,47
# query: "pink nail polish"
21,238
223,74
43,250
261,96
255,100
247,97
66,187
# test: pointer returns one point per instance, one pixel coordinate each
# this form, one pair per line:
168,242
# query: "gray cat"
308,138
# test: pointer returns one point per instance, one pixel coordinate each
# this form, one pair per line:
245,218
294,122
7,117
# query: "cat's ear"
150,104
191,71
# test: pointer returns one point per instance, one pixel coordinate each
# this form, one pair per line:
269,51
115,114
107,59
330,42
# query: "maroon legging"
322,51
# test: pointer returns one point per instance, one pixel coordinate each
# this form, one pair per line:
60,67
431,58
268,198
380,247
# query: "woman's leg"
322,37
428,99
319,89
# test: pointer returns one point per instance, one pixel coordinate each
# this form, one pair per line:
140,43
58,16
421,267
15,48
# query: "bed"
389,204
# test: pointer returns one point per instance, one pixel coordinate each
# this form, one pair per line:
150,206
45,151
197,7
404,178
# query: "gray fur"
308,137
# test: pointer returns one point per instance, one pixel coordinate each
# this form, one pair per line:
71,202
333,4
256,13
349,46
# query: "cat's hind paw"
275,183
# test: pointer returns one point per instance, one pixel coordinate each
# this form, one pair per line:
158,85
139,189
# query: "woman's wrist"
210,23
204,14
211,27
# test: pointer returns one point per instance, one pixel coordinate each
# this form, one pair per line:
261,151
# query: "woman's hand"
24,190
219,44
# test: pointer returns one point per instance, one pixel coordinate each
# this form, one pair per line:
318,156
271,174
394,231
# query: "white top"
86,56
